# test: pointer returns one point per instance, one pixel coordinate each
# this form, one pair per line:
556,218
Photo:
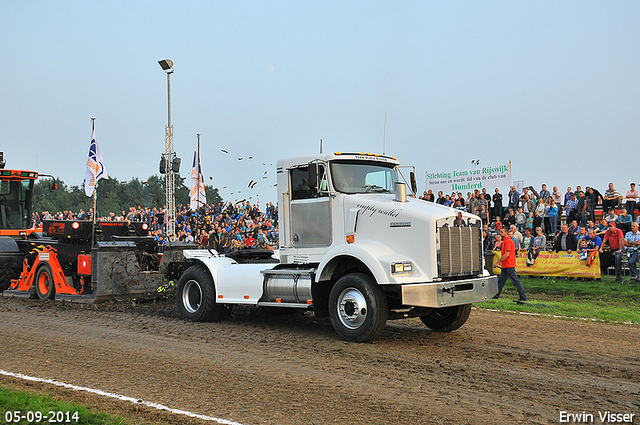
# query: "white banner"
469,180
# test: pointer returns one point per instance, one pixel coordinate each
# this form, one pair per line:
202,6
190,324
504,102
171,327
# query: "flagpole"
95,196
199,172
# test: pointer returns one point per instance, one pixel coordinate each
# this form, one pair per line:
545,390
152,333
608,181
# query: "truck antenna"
384,135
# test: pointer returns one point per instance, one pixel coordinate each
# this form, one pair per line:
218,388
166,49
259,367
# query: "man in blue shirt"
574,228
514,198
624,221
594,242
570,208
544,193
552,213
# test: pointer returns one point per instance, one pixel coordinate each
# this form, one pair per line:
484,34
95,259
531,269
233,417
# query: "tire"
10,262
196,296
45,287
447,319
358,308
5,277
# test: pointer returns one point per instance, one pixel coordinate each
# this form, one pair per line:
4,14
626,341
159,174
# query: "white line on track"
121,397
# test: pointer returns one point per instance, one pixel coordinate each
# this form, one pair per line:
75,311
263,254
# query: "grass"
606,300
13,400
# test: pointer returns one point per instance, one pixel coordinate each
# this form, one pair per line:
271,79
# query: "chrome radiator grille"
460,252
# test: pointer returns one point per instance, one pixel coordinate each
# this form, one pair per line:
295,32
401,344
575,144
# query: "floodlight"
167,65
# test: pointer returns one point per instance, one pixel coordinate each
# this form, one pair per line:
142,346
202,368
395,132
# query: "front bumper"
446,294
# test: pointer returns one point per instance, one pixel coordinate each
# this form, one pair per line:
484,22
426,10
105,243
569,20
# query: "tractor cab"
16,201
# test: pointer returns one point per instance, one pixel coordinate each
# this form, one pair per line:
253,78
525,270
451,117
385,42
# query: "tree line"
114,196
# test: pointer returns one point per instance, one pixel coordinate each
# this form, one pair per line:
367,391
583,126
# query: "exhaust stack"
401,192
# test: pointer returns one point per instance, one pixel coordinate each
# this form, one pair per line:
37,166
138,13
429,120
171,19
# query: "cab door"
310,206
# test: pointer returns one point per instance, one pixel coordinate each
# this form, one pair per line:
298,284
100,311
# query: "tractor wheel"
10,262
196,296
45,288
6,274
447,319
358,308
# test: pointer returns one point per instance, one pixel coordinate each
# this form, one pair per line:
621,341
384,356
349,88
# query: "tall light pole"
169,156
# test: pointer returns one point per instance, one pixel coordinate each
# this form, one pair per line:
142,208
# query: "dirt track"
256,369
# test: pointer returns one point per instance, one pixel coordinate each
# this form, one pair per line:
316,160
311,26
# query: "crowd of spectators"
533,219
223,227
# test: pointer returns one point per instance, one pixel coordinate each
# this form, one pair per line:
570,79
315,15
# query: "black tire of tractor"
358,308
196,296
45,287
447,319
6,274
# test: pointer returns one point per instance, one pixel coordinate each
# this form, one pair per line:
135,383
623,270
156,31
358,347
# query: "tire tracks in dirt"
499,368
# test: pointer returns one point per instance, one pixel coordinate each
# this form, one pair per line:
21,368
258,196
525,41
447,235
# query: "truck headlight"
403,267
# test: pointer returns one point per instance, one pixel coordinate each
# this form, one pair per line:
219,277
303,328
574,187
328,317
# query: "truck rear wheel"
45,287
358,308
447,319
196,296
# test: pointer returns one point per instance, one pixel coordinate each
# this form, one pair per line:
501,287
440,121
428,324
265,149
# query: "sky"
552,86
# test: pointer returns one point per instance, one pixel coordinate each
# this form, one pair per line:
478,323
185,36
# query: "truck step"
288,305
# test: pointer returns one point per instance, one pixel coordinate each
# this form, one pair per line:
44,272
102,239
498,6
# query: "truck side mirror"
53,185
414,185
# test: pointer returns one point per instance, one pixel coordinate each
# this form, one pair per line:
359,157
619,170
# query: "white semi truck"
354,248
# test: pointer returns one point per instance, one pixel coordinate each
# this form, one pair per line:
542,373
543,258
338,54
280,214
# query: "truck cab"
356,249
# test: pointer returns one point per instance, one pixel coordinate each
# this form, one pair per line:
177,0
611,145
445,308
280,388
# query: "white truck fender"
366,252
211,262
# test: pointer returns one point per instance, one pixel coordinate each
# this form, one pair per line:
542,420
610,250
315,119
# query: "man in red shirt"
508,261
249,240
614,237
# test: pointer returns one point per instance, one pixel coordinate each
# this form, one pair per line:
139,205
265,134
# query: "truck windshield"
363,177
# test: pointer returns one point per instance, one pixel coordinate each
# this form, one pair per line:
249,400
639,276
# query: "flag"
198,196
95,165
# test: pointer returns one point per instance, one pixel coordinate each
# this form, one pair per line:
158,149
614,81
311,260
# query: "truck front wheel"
358,308
447,319
196,296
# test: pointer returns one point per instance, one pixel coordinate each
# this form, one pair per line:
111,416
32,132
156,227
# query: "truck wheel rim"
192,296
352,308
43,283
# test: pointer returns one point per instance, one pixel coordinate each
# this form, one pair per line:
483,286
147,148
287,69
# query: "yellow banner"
554,264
